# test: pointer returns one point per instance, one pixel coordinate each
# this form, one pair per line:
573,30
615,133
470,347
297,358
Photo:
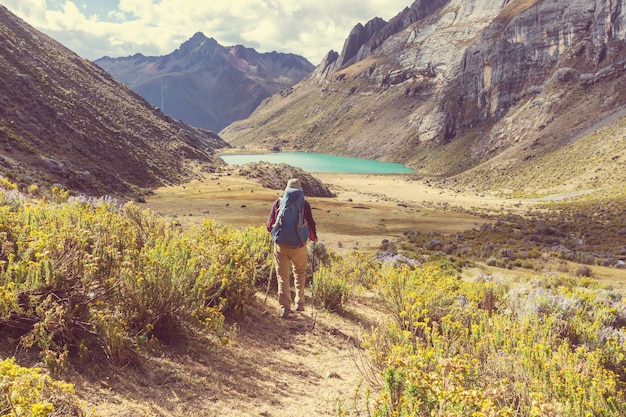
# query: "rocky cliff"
206,84
448,85
64,120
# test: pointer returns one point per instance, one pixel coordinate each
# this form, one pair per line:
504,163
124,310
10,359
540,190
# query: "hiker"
291,223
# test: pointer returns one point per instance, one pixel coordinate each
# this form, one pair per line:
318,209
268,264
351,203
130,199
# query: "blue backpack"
289,227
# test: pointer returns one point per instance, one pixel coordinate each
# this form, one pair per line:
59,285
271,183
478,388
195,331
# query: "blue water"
318,162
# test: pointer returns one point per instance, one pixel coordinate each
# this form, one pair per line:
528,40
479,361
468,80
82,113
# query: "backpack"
289,227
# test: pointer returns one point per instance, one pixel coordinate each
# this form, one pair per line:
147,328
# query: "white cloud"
68,18
156,27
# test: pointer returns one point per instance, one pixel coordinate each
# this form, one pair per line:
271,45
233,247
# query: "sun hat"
294,183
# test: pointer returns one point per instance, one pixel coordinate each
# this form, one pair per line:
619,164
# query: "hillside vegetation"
88,282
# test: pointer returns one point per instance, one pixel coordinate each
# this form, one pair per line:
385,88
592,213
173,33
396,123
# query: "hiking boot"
299,307
283,313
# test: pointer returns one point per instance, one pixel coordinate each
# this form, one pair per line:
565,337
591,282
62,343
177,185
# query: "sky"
116,28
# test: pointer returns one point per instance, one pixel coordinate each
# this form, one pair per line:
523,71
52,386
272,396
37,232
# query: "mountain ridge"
449,85
206,84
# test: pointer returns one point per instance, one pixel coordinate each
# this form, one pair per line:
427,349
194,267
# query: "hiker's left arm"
272,217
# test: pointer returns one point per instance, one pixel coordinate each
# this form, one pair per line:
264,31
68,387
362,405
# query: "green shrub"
334,284
330,290
583,271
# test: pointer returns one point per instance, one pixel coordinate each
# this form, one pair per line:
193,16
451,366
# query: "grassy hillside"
65,121
336,118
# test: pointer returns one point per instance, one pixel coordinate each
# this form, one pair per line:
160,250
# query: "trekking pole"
269,279
313,279
314,313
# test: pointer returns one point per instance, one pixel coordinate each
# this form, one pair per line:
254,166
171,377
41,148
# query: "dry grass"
359,67
367,209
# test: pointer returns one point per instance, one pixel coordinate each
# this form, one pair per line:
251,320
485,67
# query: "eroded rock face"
526,50
489,74
502,52
570,41
359,36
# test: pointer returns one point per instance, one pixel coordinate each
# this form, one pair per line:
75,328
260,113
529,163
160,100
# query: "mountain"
65,120
511,92
206,84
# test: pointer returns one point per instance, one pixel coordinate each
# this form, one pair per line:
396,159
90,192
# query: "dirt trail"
305,365
302,366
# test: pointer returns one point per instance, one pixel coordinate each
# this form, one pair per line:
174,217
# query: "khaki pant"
285,257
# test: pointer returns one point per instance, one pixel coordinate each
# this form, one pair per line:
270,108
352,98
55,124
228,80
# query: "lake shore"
318,162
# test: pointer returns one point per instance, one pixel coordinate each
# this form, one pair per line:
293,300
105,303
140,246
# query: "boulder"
275,177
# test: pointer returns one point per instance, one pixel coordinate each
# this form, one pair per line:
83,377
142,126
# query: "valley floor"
367,208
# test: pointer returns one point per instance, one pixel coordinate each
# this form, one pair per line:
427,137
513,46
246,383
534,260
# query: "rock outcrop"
275,177
527,51
359,36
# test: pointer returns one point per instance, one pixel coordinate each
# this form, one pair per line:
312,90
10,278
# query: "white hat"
294,183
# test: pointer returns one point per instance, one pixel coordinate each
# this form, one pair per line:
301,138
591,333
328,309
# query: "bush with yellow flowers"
32,392
544,347
84,276
339,278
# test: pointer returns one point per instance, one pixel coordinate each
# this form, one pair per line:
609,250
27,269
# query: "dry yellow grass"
367,209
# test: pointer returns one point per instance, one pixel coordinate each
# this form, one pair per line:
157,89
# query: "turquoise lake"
318,162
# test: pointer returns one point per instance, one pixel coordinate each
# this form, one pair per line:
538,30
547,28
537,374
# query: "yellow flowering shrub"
8,301
459,348
338,279
96,277
31,392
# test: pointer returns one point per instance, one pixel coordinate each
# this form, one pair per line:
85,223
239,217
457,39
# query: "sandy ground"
307,365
